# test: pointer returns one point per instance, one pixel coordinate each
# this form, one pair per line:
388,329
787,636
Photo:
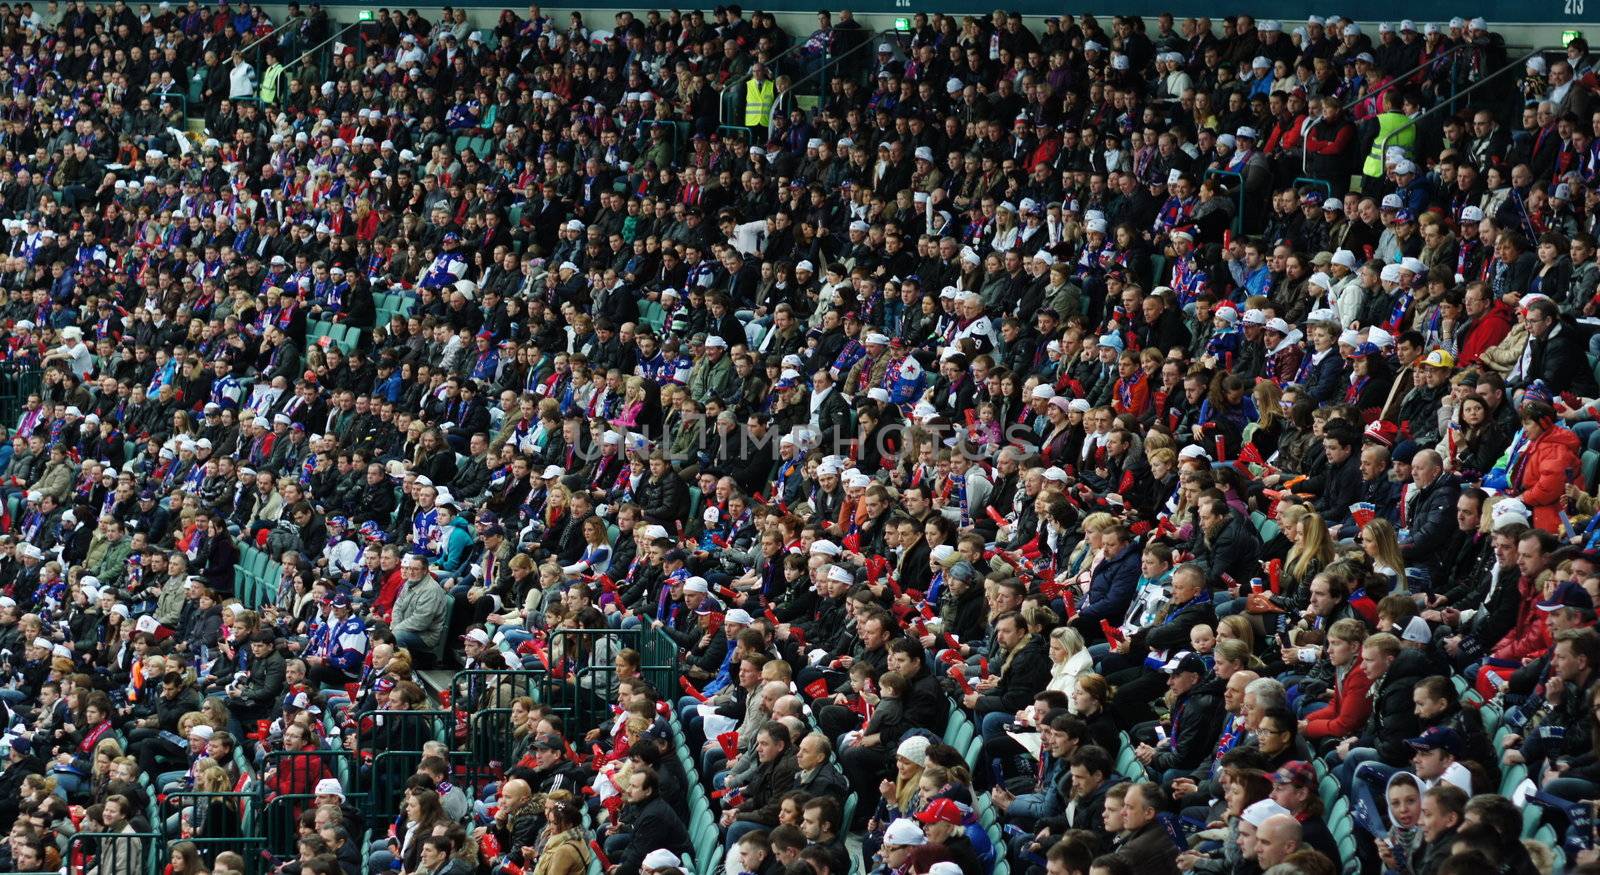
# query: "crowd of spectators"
1040,446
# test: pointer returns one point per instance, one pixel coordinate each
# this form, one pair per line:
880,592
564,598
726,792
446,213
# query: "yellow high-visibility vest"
758,97
269,84
1388,123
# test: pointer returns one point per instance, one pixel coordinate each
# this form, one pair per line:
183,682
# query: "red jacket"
1541,475
1349,710
1485,331
1530,636
388,591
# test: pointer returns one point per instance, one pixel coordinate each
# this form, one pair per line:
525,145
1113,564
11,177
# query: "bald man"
1276,839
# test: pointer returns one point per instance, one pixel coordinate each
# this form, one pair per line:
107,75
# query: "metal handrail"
870,42
1518,64
308,53
1238,216
1403,77
275,31
731,87
1305,155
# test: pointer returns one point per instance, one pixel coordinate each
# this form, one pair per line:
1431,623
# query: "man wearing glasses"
1553,354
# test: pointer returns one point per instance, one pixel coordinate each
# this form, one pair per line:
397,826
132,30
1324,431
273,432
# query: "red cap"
945,810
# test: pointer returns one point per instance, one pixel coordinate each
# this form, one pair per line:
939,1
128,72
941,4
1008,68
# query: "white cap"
806,266
552,471
942,553
876,338
715,341
1471,214
1055,473
661,858
329,787
740,616
201,731
1253,316
43,643
477,635
923,153
904,831
825,547
840,574
878,394
1258,812
1346,258
696,584
1507,511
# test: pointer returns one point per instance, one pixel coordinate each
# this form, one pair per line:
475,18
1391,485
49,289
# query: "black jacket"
665,500
1234,551
1197,721
1336,488
1393,717
655,825
1560,360
1027,673
763,796
1431,516
926,704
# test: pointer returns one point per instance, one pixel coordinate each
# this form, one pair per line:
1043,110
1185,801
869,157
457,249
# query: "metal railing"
1305,154
1406,77
317,50
1238,216
116,852
401,752
831,60
17,382
1517,65
257,44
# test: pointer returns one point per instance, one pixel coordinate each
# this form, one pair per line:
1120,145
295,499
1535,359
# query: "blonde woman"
1003,234
1087,554
1382,544
214,816
1236,627
899,796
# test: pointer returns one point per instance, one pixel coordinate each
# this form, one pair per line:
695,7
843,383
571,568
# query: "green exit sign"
364,15
902,24
1567,36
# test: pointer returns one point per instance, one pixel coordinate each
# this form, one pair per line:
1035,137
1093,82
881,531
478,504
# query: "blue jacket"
456,547
1327,379
1112,587
1051,797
